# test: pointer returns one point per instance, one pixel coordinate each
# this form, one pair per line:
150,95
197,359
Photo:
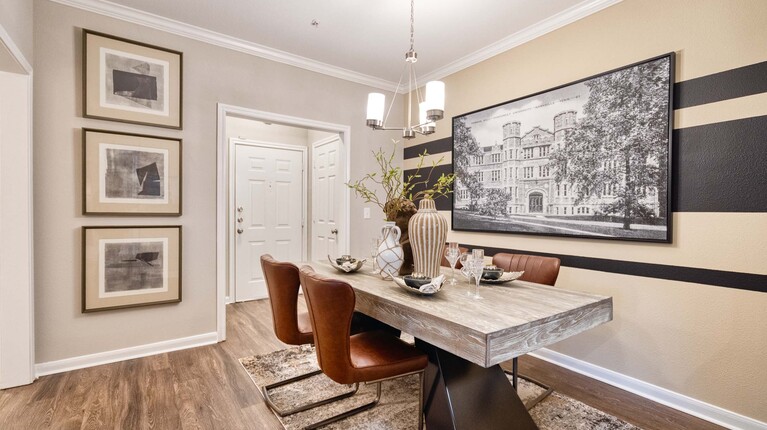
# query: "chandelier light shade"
430,108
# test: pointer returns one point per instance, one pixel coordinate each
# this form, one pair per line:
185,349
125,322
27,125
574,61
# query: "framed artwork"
589,159
131,174
125,267
129,81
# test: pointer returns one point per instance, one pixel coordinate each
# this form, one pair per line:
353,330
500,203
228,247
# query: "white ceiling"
370,37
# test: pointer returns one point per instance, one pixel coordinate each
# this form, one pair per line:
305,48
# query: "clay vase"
402,220
428,232
390,253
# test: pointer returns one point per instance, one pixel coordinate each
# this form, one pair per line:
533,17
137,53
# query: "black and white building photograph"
133,266
133,174
588,159
133,82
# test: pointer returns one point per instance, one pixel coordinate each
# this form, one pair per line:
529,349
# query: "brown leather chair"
290,325
369,357
541,270
446,263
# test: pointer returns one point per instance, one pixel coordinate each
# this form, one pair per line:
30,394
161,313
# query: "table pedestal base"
461,395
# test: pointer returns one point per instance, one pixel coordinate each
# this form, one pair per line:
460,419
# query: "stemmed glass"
476,267
374,243
452,253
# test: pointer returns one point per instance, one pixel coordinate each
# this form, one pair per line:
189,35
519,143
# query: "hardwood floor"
206,388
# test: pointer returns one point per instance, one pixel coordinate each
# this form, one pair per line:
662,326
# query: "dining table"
467,338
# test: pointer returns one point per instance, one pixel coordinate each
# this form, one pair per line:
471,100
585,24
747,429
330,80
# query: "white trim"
680,402
107,357
222,191
150,20
233,181
6,40
540,28
147,19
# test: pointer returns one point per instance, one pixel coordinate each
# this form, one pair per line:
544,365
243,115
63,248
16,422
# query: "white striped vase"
428,232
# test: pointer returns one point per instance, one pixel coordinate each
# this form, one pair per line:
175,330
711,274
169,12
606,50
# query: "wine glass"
452,253
374,244
477,267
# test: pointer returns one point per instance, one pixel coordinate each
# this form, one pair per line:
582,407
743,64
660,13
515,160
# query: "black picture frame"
582,149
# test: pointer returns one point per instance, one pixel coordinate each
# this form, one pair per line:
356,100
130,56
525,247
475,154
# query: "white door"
269,212
328,205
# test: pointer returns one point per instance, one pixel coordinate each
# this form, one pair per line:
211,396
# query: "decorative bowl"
427,289
347,265
492,273
506,277
415,281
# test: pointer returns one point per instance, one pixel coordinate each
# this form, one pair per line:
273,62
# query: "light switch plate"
366,213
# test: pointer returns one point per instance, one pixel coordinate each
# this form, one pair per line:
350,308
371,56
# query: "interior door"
327,200
269,213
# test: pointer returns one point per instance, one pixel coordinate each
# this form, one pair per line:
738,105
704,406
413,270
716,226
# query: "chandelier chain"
412,25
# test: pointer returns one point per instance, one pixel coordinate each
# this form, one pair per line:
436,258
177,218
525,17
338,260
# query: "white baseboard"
680,402
67,364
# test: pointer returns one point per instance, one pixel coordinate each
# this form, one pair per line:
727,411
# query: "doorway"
323,220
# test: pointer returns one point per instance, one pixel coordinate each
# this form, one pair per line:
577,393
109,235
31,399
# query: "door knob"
334,231
239,231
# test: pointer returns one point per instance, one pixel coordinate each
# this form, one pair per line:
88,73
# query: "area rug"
397,409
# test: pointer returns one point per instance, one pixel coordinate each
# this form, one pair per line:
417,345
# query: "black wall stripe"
442,203
730,84
720,278
433,147
721,167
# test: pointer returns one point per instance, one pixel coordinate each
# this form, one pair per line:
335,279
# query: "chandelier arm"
394,97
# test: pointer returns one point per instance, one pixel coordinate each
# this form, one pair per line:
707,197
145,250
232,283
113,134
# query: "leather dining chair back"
282,283
541,270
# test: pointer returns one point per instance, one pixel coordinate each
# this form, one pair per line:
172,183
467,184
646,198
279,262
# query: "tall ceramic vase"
428,232
390,255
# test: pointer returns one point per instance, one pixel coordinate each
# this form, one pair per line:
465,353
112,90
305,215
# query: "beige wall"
706,342
211,75
16,19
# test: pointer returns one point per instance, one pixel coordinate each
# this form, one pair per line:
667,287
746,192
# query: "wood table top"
510,320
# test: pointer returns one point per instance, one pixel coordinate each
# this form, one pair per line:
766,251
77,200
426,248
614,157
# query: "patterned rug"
397,409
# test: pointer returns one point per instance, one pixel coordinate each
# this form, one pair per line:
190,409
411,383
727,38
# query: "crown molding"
525,35
124,13
13,49
135,16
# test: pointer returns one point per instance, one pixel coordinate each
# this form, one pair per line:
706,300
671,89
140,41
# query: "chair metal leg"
283,412
515,374
349,413
370,405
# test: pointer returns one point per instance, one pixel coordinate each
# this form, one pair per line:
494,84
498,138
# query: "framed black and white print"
130,266
131,174
130,81
588,159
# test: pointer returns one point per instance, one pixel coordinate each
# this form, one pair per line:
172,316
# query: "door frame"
344,212
233,196
223,255
17,316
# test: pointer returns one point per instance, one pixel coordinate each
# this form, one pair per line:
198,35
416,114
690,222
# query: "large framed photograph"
129,81
590,159
130,266
131,174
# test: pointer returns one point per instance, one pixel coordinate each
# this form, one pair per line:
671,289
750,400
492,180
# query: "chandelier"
430,108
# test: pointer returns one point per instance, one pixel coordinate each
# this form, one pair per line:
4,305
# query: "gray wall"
211,75
16,19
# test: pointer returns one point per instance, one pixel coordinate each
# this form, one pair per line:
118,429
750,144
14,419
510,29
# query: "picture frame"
133,82
556,163
131,174
130,266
